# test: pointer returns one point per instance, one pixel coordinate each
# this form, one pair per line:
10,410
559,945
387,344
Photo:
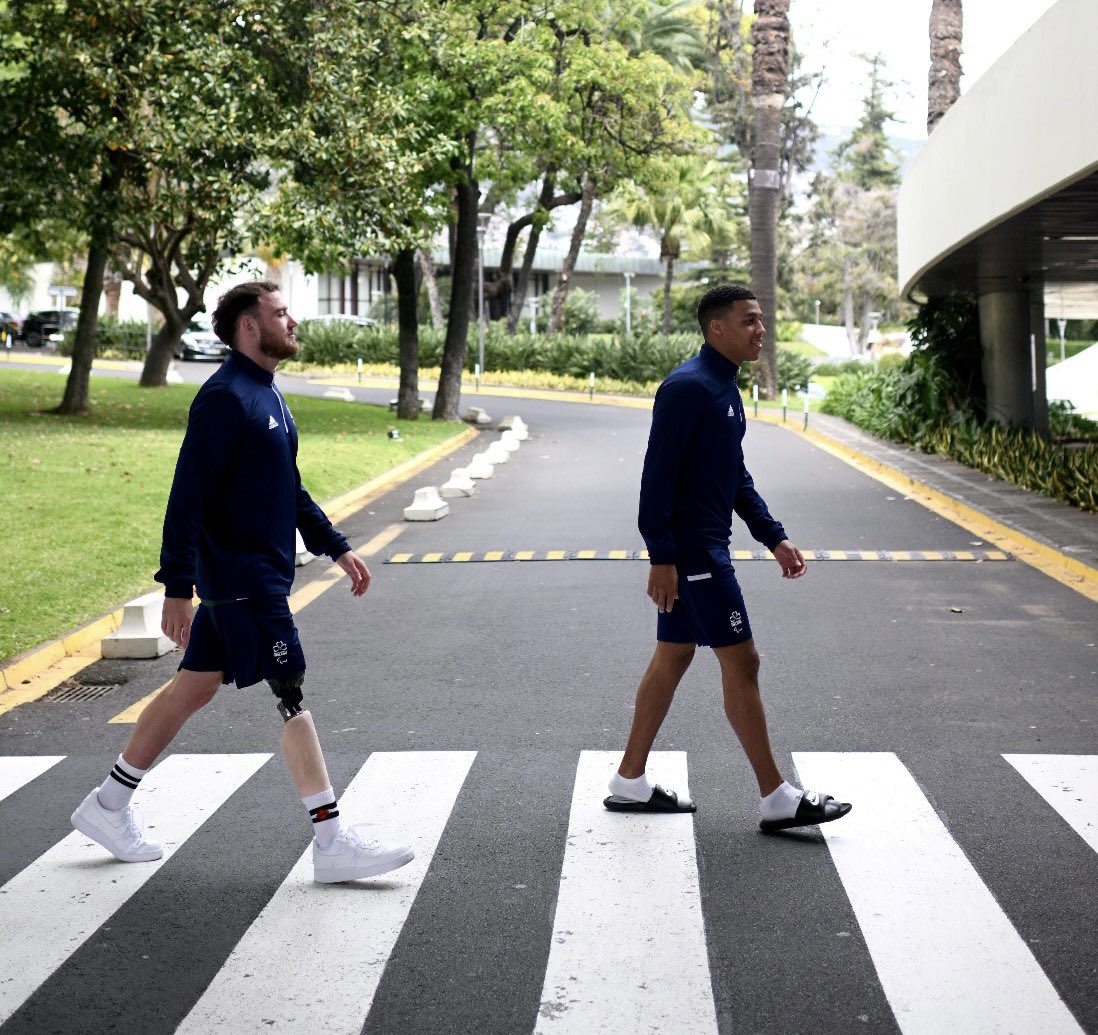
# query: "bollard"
460,484
517,425
139,635
427,506
475,415
755,396
496,453
360,368
476,374
480,467
510,441
785,402
806,407
591,385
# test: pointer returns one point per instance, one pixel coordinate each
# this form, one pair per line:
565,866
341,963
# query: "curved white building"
1003,201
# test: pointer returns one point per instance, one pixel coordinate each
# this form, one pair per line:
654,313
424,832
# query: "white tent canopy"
1076,379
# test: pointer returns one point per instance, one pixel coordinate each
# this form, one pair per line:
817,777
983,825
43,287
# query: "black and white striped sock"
324,812
118,787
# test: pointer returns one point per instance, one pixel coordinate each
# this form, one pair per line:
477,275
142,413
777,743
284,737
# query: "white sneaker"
119,832
352,857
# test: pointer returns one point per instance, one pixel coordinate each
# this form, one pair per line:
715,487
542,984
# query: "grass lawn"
85,496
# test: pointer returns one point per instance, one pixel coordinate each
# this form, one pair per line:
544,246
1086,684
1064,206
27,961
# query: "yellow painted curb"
60,361
1066,570
36,674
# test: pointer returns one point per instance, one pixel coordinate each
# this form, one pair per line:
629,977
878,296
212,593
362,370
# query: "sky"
829,33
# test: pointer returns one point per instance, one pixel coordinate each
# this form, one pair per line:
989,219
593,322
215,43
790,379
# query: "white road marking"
628,951
1069,783
338,936
17,770
76,886
948,957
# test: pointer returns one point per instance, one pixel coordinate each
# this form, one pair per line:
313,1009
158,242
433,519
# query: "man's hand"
176,618
356,568
789,557
663,586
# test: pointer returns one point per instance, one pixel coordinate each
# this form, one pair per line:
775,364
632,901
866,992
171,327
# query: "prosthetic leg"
299,743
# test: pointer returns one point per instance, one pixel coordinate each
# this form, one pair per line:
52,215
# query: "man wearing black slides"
694,479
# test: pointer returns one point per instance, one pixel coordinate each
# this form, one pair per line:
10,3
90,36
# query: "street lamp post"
483,219
628,300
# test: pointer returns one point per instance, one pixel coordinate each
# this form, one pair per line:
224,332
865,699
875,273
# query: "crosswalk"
630,950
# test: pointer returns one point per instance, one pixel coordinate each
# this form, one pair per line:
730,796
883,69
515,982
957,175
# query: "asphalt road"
961,901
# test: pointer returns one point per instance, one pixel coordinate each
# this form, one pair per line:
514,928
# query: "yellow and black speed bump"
493,556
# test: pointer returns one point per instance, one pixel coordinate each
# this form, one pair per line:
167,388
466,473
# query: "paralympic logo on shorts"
280,652
736,620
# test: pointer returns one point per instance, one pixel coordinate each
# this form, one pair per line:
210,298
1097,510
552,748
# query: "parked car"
10,324
198,341
40,327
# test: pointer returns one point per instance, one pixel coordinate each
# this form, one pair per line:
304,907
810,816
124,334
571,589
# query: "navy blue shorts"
710,610
248,640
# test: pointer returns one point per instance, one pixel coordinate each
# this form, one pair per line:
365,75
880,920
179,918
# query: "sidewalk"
1065,529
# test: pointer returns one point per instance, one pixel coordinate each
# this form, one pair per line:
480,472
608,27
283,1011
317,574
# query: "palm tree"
662,27
944,87
690,205
769,81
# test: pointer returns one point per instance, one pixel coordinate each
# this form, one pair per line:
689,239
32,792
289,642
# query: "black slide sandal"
814,808
661,801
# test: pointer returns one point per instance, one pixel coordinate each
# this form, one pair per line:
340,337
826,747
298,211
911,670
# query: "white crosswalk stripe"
629,910
17,771
947,955
629,949
339,938
76,886
1069,783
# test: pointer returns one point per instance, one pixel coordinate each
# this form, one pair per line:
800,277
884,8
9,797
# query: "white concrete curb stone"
476,415
139,635
517,425
497,454
460,484
480,467
173,376
301,554
510,441
427,506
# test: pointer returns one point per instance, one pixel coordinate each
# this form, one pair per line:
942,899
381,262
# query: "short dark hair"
238,300
718,300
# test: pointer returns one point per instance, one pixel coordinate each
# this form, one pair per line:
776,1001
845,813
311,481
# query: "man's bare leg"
744,708
654,695
166,713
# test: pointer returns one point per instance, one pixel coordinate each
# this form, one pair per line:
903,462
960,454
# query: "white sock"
117,789
324,811
637,789
782,802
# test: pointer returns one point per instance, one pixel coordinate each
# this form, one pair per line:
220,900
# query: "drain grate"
71,693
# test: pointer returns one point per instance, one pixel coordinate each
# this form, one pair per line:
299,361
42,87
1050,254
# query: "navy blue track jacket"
237,495
694,474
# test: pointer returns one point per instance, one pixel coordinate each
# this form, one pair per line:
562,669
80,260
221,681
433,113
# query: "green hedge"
912,404
639,358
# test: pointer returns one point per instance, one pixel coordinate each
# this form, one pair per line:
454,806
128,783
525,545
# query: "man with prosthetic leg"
229,532
694,479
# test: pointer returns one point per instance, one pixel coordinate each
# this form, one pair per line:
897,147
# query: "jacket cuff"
775,538
179,590
338,548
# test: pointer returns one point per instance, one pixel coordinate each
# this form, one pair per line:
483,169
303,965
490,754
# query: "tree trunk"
518,294
587,200
668,276
75,400
867,319
404,272
944,86
154,374
848,320
769,80
427,267
462,288
112,290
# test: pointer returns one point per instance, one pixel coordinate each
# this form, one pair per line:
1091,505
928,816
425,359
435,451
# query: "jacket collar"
721,364
251,368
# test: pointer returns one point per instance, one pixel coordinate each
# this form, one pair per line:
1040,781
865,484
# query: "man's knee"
288,691
675,657
740,662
